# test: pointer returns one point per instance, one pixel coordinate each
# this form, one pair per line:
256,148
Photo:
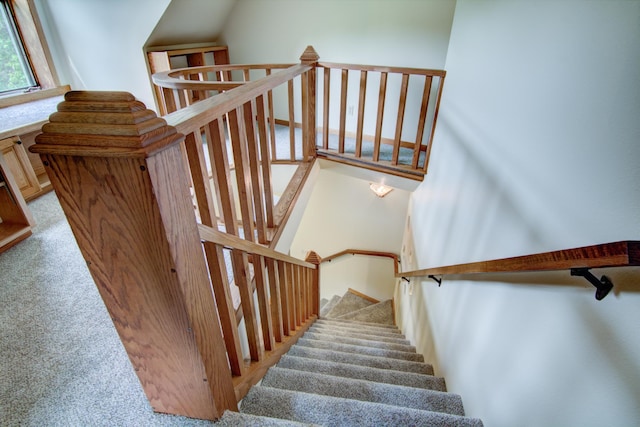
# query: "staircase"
353,367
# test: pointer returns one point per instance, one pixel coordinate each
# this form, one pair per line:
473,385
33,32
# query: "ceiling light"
380,190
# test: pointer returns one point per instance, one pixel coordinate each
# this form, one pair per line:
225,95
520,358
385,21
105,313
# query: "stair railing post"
315,259
118,172
309,57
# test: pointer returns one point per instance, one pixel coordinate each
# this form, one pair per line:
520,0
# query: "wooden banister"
363,252
615,254
124,190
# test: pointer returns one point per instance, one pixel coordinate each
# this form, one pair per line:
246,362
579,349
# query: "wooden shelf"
164,58
16,219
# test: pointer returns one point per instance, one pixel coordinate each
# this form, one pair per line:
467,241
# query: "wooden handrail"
207,110
233,242
616,254
364,252
384,69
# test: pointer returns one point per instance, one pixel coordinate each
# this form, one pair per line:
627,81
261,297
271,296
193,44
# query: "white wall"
97,44
379,32
536,150
343,213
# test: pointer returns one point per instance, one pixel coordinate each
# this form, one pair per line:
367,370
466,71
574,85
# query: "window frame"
34,43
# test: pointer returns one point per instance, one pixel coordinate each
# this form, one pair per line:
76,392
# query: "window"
15,70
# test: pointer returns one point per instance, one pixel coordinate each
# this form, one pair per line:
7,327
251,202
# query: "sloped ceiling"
191,21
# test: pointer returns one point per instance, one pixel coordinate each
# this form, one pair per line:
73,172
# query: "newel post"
117,170
315,259
309,88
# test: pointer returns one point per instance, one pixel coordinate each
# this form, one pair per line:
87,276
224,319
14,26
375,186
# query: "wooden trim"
8,101
363,296
616,254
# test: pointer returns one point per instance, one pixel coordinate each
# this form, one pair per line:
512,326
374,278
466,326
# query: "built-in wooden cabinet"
16,220
164,58
18,163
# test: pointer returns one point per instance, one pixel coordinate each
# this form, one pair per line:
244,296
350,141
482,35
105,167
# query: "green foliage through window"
15,72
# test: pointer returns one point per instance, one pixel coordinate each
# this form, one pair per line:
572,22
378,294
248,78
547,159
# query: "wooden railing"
578,260
229,143
363,252
391,132
123,182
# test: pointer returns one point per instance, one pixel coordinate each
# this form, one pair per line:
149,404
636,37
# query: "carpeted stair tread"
329,305
333,411
358,334
380,313
348,303
349,388
350,348
361,359
368,373
359,330
357,341
238,419
358,324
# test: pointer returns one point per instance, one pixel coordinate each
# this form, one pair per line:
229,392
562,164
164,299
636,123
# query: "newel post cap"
309,56
104,124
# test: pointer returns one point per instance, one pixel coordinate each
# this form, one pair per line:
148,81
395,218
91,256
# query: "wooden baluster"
284,294
292,123
381,101
433,124
401,107
239,260
293,301
169,100
263,302
200,178
265,161
361,102
303,294
309,57
215,258
272,121
421,121
124,190
325,107
257,188
243,175
275,299
343,110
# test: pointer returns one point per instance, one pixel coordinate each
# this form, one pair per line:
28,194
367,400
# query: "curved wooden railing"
578,260
392,133
363,252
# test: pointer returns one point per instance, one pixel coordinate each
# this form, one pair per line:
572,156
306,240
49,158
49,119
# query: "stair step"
368,373
358,323
328,410
238,419
362,360
381,313
359,329
329,305
358,341
358,349
349,388
348,303
356,334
